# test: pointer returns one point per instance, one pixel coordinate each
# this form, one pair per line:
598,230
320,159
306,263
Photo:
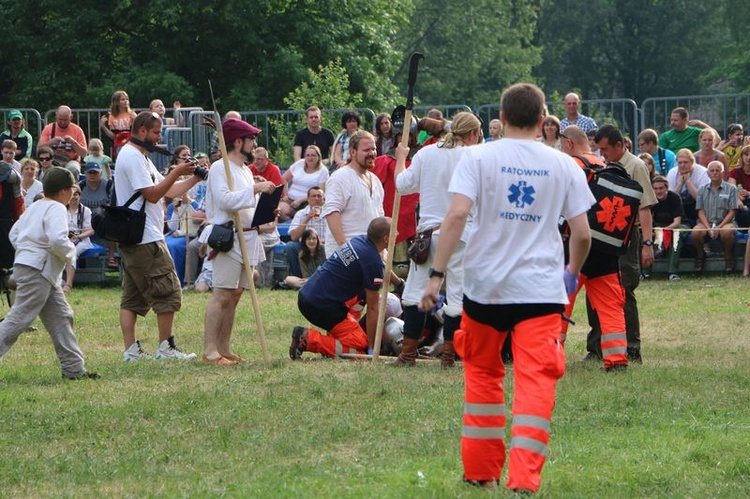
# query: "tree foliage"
472,49
633,49
258,53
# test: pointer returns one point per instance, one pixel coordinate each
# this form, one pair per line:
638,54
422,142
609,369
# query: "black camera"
200,171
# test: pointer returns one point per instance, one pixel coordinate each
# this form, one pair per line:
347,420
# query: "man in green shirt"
684,132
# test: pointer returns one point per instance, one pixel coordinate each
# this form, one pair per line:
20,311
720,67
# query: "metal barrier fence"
717,110
280,126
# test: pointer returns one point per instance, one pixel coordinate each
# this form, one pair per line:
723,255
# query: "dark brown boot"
408,355
448,357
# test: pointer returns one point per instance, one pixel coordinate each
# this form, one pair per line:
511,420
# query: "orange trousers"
538,362
346,337
607,298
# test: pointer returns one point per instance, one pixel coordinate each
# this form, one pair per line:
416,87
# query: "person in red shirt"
262,167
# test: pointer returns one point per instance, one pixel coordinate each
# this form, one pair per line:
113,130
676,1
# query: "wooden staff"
413,65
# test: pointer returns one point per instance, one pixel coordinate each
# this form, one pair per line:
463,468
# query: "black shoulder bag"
120,224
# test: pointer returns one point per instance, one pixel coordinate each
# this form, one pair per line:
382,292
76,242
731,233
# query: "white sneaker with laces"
674,277
169,351
134,353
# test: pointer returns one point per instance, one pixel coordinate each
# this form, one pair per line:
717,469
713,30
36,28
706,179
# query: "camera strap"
150,147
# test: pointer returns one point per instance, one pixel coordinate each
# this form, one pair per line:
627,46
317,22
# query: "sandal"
112,263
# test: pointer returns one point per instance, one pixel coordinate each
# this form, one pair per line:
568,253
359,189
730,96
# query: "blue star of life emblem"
521,194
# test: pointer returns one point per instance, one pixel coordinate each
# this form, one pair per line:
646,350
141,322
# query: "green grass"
677,426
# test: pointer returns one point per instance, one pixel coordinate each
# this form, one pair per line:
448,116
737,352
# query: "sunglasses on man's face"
45,159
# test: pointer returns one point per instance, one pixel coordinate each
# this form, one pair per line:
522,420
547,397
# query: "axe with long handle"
413,66
240,235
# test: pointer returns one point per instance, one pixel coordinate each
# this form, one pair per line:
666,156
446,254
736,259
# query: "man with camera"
149,280
229,275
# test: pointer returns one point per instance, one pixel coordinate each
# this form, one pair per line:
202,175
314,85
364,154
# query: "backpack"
618,199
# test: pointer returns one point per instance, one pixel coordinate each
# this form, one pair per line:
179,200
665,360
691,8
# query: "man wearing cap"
229,274
94,192
65,138
149,280
18,134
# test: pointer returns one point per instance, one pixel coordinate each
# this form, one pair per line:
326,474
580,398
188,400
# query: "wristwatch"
436,273
648,242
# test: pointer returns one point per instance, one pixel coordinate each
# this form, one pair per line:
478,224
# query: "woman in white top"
303,174
79,231
30,186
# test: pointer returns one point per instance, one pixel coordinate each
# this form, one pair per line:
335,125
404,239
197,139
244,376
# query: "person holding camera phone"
149,280
229,276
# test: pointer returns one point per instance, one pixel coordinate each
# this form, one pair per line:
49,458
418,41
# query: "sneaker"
168,350
299,342
134,353
674,277
85,375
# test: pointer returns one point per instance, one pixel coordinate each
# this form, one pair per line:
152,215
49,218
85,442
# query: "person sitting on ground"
716,204
732,146
648,160
683,133
667,215
314,135
117,123
303,174
664,159
384,137
30,186
708,140
157,106
306,218
9,154
310,257
685,180
354,267
42,251
67,140
79,233
18,134
551,132
350,123
96,155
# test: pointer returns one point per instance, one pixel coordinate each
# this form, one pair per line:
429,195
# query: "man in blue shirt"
326,297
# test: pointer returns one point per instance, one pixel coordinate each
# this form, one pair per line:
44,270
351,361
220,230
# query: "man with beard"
149,280
354,195
229,276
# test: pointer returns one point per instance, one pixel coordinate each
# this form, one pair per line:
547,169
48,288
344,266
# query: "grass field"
677,426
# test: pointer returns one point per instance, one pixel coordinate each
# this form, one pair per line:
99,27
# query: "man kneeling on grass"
42,251
326,297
